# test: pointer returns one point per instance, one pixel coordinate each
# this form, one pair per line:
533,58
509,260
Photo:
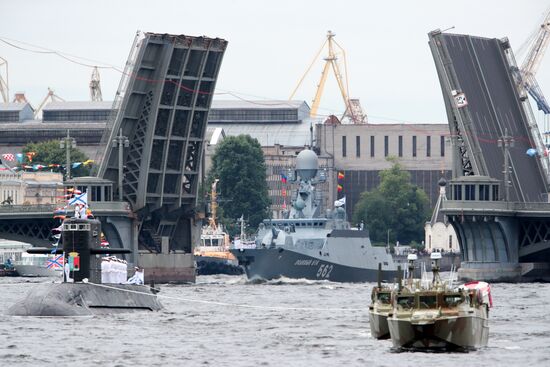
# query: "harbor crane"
52,97
4,89
354,111
538,45
95,87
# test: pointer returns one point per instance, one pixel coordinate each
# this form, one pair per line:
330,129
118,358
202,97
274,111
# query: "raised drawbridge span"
499,193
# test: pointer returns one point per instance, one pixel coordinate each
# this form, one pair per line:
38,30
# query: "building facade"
30,188
361,151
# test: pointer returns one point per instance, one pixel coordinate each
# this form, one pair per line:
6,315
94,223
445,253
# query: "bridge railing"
28,208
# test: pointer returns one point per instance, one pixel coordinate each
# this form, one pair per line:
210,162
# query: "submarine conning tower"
81,248
80,238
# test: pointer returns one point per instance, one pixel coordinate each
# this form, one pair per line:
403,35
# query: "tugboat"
440,315
82,292
307,245
212,256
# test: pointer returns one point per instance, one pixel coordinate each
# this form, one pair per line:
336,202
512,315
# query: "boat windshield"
384,297
406,302
452,300
428,301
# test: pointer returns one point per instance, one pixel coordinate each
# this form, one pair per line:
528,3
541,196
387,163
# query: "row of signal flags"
340,186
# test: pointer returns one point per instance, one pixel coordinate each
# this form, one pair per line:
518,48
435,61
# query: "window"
386,146
442,143
414,146
483,192
457,192
400,145
405,302
372,146
425,302
495,193
428,146
358,146
470,192
343,146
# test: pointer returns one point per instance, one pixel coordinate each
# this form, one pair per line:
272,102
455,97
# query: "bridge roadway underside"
34,223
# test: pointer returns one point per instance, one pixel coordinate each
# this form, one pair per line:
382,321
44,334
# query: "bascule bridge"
145,189
498,200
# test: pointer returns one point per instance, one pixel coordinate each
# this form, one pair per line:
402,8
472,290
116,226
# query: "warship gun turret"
305,244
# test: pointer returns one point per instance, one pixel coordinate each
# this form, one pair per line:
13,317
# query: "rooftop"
12,106
78,105
260,104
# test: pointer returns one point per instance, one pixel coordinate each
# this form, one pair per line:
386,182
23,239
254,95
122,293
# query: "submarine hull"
85,299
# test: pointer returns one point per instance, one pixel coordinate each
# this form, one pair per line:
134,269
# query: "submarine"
82,293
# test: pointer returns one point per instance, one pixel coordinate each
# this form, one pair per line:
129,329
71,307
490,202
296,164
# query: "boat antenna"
435,256
379,275
411,258
399,278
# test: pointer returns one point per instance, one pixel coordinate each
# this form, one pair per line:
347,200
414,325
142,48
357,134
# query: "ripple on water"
320,333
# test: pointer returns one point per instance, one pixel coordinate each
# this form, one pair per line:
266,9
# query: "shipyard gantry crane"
52,97
530,65
95,87
4,89
354,110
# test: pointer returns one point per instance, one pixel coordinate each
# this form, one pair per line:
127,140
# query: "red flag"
30,155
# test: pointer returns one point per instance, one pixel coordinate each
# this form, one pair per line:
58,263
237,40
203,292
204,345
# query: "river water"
221,321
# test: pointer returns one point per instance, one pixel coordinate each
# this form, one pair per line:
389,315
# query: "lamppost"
67,143
506,142
121,142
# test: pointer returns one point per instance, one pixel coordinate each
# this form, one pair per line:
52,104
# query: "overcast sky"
271,44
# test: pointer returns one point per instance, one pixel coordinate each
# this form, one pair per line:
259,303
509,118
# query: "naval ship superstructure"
307,245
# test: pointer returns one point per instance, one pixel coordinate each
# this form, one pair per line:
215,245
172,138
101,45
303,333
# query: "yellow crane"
354,110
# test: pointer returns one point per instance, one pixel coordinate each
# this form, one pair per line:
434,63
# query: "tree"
49,152
239,165
396,208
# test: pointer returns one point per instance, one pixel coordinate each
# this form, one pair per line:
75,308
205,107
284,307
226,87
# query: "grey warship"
307,245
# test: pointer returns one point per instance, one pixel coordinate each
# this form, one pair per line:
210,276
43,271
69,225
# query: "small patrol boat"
82,292
438,315
381,304
379,309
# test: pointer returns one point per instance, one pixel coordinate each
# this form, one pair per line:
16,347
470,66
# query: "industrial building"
283,128
361,151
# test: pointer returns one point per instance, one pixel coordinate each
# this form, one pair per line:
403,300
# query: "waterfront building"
361,151
29,188
15,112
